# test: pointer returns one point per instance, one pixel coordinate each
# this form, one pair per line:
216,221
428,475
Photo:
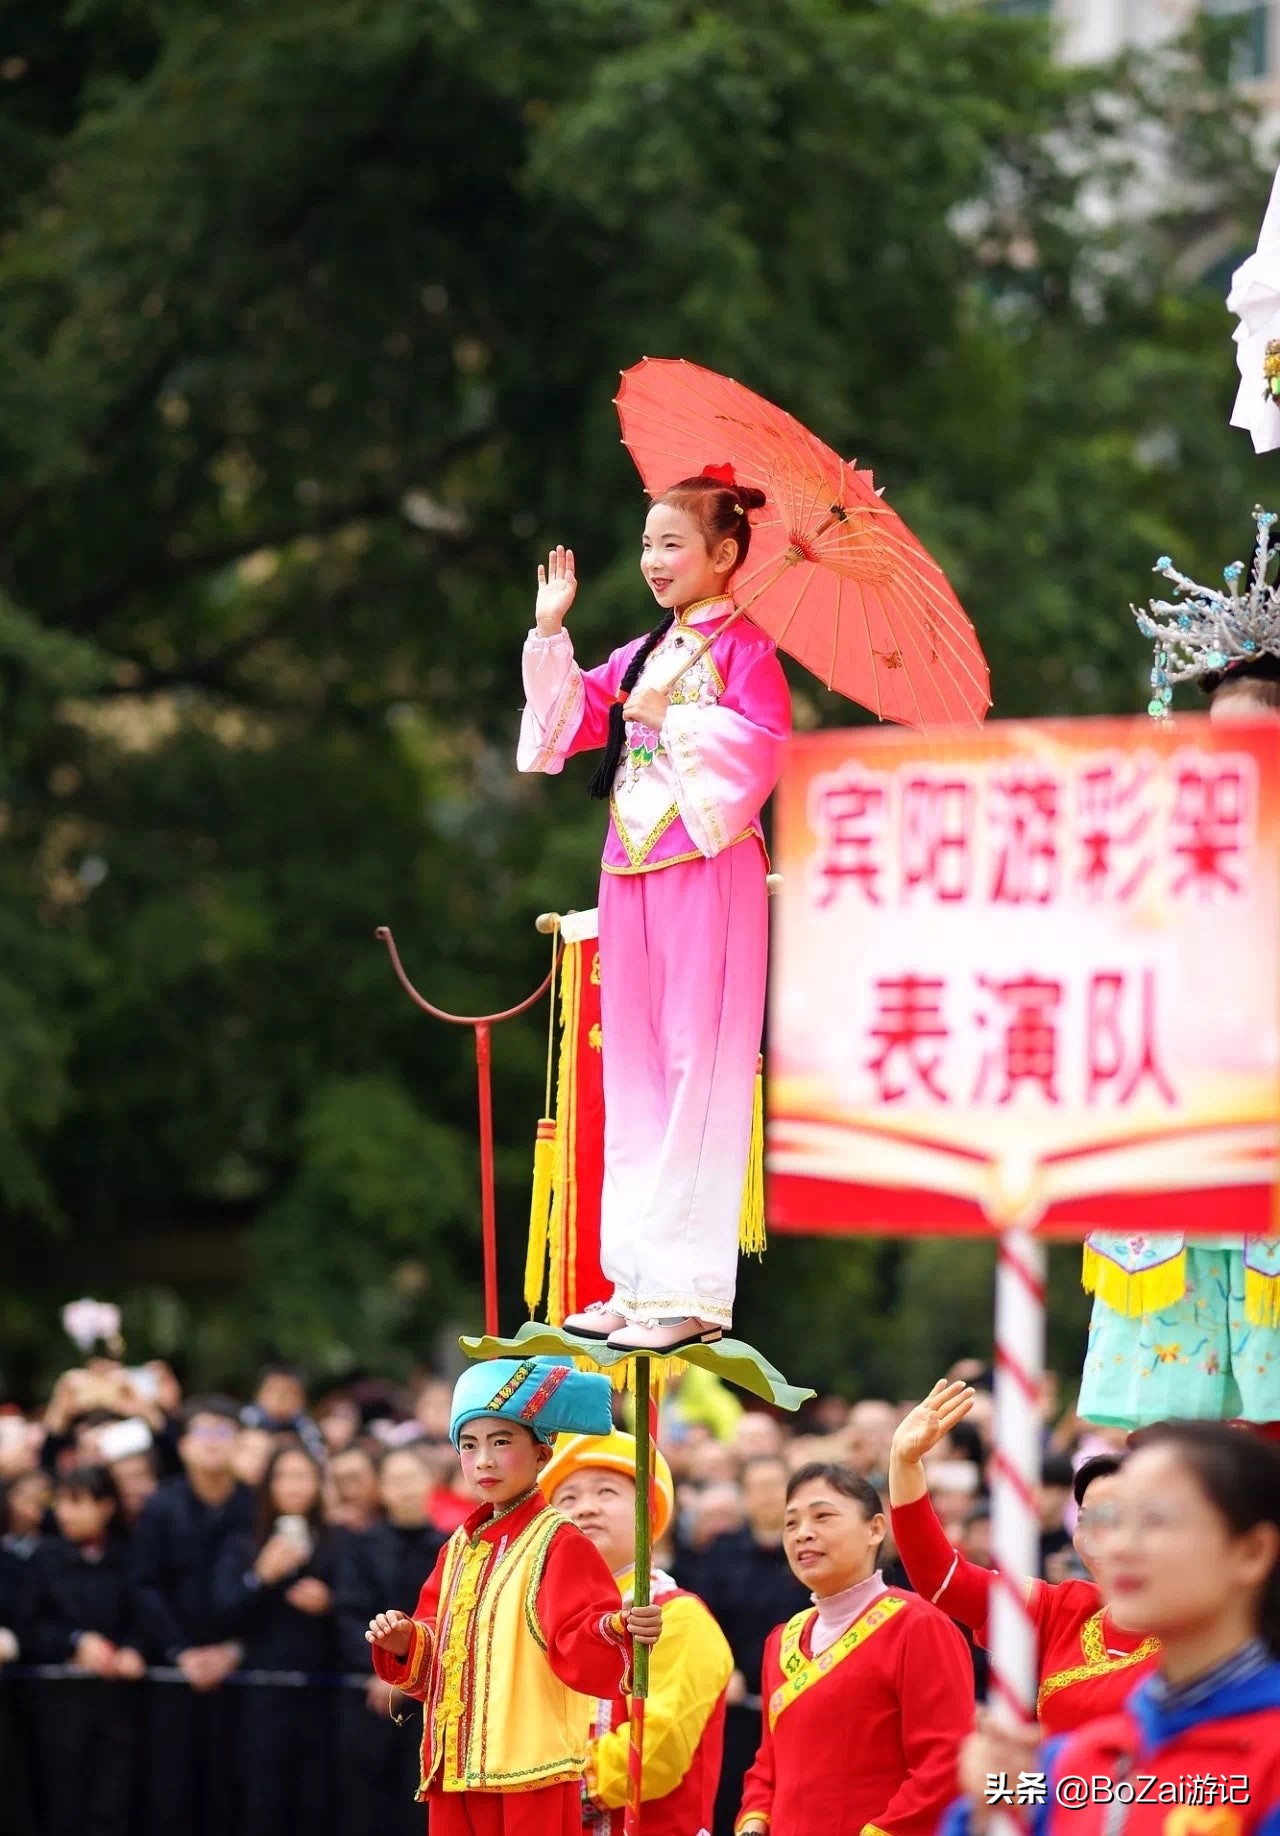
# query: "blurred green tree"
308,315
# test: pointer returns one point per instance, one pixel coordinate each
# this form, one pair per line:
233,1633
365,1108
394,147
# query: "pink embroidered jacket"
698,786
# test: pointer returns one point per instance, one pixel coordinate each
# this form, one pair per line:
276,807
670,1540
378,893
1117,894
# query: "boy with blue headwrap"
520,1627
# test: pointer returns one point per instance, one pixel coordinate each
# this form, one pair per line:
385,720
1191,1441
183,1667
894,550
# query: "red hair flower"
724,474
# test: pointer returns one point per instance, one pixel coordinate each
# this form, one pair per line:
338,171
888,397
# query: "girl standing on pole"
690,756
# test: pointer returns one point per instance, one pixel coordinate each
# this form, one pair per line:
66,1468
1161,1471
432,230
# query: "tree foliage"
308,319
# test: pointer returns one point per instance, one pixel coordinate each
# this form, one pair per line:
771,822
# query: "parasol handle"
837,514
704,646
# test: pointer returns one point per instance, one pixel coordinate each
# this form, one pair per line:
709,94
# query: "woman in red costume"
1191,1548
1088,1660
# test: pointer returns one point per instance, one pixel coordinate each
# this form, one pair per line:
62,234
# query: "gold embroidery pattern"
703,676
420,1652
688,762
708,655
431,1756
614,1627
1098,1661
700,605
501,1580
701,685
500,1398
801,1673
572,694
554,1519
449,1717
679,860
638,854
679,1305
451,1706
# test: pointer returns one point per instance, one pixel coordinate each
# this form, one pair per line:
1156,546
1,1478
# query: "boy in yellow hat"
520,1625
592,1480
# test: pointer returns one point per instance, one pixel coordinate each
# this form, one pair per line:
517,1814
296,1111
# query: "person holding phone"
274,1588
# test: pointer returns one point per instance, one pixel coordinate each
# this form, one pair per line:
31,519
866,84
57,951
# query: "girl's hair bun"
749,497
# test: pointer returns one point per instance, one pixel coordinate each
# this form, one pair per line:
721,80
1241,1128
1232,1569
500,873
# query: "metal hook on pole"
481,1025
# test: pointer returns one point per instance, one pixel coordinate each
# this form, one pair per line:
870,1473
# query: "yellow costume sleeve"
688,1670
704,1401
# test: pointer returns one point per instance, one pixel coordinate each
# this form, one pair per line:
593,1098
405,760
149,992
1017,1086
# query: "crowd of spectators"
185,1583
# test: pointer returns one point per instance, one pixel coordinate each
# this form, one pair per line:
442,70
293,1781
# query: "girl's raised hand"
557,585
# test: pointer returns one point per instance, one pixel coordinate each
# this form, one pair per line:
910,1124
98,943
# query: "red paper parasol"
834,575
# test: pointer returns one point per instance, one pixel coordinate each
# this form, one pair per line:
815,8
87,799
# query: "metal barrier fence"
252,1679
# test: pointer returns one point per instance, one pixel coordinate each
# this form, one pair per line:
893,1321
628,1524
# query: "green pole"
640,1591
644,1519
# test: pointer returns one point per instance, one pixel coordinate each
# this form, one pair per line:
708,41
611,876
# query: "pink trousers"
683,961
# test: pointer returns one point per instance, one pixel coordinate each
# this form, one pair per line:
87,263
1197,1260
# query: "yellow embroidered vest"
497,1717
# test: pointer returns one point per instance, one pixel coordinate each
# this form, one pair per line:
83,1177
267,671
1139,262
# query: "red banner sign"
1027,977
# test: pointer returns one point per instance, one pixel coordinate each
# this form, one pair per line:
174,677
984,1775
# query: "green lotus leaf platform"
732,1360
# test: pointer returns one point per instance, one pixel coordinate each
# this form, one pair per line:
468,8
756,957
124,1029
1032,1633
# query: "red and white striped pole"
1015,1524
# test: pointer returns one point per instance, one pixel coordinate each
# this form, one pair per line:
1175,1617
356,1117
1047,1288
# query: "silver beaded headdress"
1205,629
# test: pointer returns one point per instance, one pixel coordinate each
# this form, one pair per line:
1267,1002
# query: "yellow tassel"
1150,1291
535,1267
751,1228
563,1199
1261,1298
660,1374
623,1378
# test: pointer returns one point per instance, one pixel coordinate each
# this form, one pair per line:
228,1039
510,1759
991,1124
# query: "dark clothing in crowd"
177,1545
287,1735
18,1769
89,1729
1052,1543
275,1634
68,1591
191,1736
11,1566
384,1567
750,1590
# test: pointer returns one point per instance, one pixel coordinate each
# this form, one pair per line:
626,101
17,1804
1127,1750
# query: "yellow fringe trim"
662,1371
564,1193
544,1165
1261,1298
751,1225
1151,1291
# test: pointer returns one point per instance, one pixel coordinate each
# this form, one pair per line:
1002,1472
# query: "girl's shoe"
597,1321
663,1337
